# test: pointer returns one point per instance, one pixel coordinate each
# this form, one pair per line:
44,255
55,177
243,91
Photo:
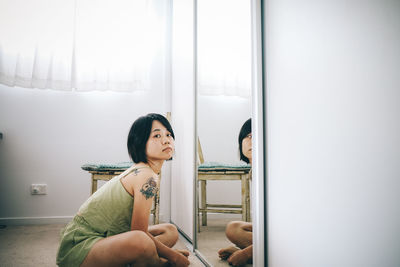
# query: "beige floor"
211,238
36,245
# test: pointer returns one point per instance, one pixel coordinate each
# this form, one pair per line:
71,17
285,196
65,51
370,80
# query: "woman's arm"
145,187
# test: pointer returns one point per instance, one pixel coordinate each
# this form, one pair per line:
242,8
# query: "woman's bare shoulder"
141,175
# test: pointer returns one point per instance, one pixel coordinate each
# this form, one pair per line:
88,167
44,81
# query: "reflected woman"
238,232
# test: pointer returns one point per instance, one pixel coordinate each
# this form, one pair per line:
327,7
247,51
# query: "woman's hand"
184,252
180,258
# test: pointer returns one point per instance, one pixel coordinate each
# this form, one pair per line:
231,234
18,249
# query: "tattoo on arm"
136,171
149,189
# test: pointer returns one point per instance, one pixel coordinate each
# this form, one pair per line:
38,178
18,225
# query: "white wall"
219,121
49,134
333,109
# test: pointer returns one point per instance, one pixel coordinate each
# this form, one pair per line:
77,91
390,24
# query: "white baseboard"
67,219
35,220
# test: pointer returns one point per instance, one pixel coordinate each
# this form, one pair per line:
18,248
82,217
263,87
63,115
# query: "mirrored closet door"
224,104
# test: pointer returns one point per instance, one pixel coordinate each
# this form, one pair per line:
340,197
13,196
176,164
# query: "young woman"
111,227
238,232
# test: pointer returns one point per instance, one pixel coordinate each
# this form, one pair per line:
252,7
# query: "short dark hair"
139,134
244,131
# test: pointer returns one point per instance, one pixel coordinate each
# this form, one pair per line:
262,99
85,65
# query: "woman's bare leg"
166,233
134,247
240,234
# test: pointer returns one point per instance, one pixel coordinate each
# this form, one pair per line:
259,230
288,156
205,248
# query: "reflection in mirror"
240,232
223,105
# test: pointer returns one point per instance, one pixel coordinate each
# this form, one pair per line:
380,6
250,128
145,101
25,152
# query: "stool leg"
244,206
156,215
198,206
204,202
247,178
94,184
198,219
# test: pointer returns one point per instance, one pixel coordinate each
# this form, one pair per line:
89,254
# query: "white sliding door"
333,130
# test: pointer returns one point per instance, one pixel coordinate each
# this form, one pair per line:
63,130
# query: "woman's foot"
164,263
224,253
239,258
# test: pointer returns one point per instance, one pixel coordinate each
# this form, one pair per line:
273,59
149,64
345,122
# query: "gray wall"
219,121
49,134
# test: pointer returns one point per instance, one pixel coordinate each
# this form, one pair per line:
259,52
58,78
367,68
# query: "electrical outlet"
39,189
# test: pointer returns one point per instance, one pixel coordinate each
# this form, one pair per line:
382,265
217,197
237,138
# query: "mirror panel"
223,105
182,92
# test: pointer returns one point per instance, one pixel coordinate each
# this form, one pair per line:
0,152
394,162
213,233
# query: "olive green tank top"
109,210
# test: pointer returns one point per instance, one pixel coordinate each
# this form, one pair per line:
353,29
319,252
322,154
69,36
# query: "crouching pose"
240,233
111,227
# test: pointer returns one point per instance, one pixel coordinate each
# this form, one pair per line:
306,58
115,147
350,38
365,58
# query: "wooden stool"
220,173
106,172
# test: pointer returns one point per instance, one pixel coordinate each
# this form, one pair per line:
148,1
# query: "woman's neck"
155,165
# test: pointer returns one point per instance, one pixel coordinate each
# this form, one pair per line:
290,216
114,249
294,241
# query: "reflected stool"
208,171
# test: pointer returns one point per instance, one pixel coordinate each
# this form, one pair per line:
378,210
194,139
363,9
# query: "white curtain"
84,44
224,47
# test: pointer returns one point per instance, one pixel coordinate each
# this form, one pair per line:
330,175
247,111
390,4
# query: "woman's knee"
166,233
140,242
232,229
233,226
172,232
167,228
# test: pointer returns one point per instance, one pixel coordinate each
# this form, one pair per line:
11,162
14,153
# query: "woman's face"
246,147
160,145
